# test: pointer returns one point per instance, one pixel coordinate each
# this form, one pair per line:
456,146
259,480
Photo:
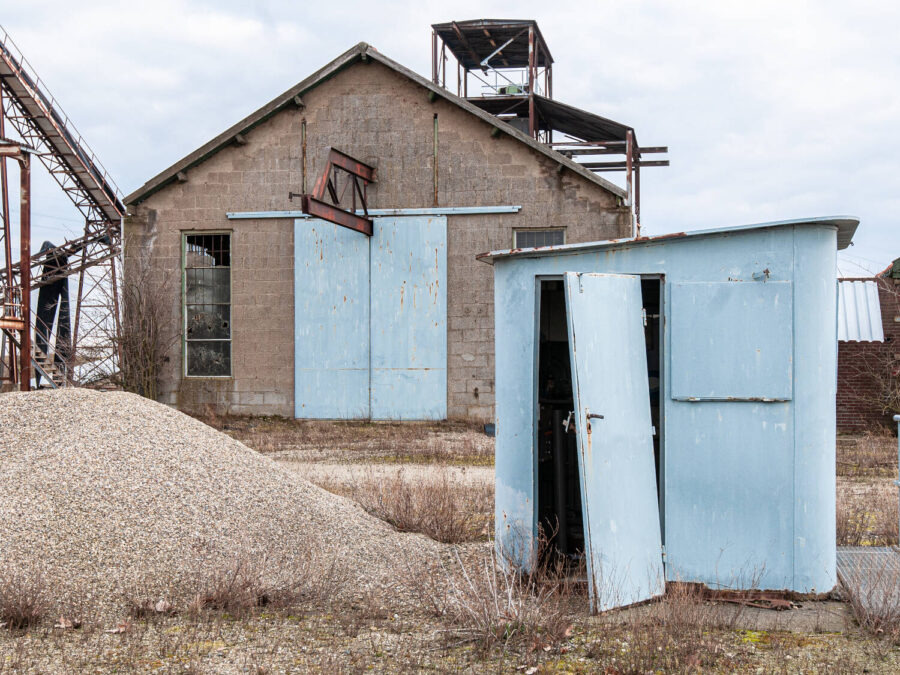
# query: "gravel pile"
110,496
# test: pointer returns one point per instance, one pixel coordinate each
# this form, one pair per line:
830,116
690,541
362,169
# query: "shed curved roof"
846,227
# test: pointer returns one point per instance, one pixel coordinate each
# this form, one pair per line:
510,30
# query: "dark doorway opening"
559,487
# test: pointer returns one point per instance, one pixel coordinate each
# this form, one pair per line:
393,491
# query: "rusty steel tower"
80,350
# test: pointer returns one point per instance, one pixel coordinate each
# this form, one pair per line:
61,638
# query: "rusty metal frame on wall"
357,176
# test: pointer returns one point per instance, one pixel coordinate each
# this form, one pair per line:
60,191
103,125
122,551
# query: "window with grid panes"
535,238
207,305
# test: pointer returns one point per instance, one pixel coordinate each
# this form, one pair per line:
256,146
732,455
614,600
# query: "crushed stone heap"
110,496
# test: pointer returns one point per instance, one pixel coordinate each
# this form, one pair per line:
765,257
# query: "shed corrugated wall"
859,312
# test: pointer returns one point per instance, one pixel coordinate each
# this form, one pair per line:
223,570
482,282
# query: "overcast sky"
771,109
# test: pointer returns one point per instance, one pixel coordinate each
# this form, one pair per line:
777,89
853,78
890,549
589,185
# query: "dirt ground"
369,462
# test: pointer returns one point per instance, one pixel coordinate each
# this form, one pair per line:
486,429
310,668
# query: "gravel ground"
110,496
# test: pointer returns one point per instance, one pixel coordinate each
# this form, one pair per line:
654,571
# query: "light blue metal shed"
700,372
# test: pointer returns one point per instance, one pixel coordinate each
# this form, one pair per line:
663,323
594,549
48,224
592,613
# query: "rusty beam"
465,43
25,270
334,214
618,166
351,165
532,113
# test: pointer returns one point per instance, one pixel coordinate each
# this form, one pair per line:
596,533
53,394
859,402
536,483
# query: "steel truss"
35,116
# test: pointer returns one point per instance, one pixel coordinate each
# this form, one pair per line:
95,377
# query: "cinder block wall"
856,410
380,117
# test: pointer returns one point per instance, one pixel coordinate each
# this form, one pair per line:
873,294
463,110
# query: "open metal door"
623,546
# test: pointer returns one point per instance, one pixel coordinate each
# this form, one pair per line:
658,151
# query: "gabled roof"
361,52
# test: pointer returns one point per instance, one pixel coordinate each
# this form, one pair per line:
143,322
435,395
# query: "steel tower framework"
37,118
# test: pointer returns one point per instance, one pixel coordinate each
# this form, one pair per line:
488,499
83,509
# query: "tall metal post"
629,147
637,191
532,126
434,52
897,482
25,269
7,243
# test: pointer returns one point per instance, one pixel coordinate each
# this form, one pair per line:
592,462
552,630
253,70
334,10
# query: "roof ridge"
360,51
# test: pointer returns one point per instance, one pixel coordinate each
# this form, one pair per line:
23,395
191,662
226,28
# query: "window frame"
517,230
184,305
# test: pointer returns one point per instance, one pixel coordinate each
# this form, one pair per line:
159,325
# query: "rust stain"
671,235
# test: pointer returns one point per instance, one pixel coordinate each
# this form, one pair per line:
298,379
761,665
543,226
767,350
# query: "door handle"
595,416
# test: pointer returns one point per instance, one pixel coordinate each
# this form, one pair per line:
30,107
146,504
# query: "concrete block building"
280,313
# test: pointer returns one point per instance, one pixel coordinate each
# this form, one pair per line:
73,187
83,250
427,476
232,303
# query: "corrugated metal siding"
859,312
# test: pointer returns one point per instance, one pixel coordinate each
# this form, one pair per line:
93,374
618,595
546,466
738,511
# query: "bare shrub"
866,516
249,583
876,605
876,369
23,598
495,605
444,506
145,334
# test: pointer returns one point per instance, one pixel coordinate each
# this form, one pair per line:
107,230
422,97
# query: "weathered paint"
370,320
409,310
615,442
748,485
331,321
757,363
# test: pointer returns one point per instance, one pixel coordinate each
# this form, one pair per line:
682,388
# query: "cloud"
770,109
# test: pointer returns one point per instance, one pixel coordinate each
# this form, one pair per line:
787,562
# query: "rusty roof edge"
846,228
499,124
499,22
349,57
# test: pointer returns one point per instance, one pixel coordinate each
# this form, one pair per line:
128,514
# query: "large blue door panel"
409,310
719,351
615,445
331,321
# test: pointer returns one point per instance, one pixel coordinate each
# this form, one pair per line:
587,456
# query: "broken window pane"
207,305
209,359
207,286
205,322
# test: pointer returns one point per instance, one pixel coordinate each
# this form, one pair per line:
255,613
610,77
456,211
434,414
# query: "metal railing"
11,305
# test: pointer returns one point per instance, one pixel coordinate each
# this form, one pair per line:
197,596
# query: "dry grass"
872,454
449,442
866,514
246,585
23,598
679,633
441,506
490,603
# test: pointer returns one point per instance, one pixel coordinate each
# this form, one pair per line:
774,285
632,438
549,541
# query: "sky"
771,110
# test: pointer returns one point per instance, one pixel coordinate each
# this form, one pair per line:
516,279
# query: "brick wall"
380,117
855,409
